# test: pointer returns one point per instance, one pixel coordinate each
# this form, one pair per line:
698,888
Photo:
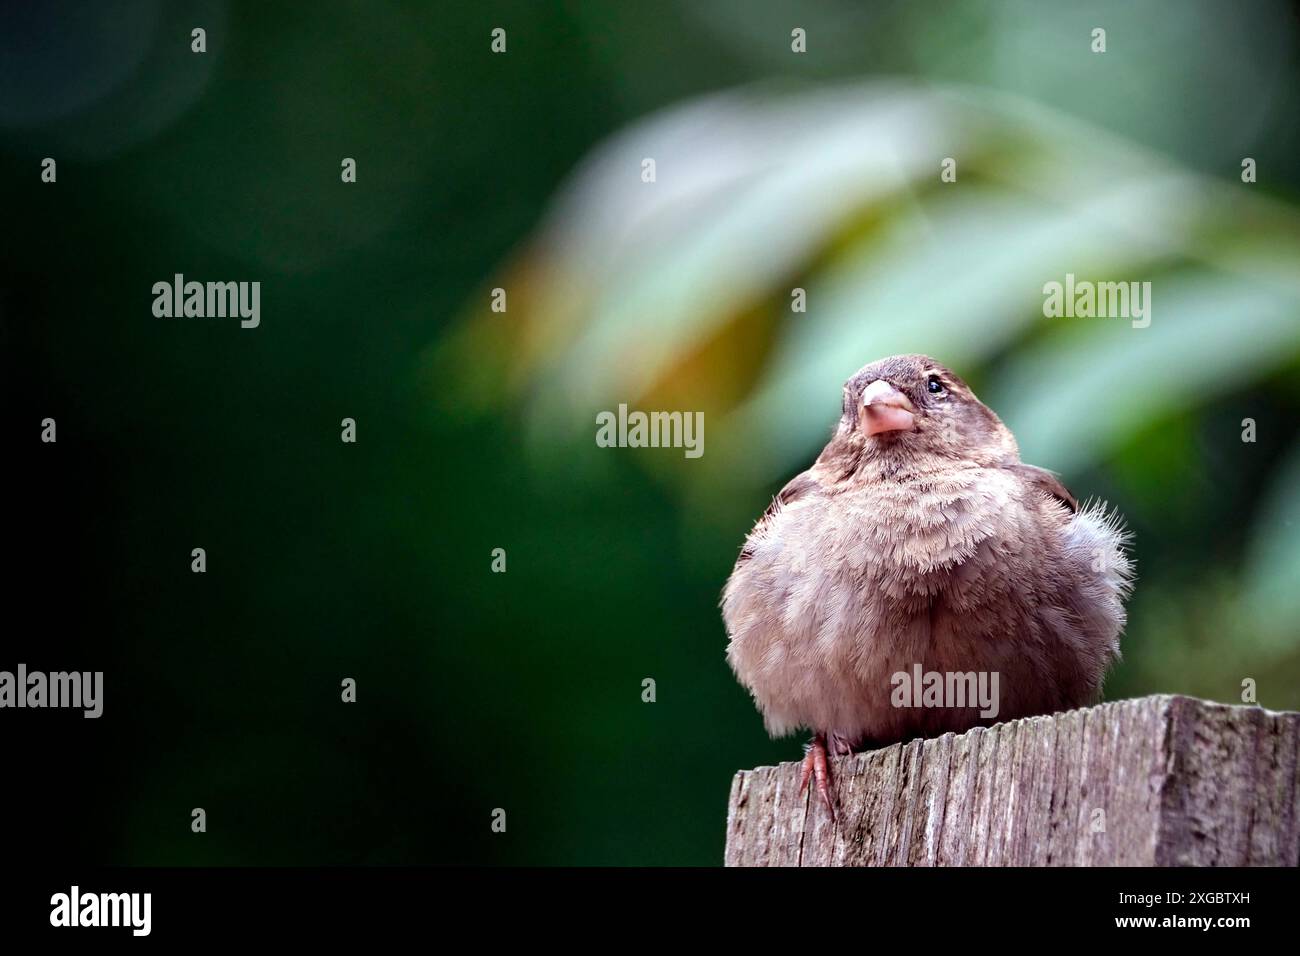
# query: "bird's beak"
886,409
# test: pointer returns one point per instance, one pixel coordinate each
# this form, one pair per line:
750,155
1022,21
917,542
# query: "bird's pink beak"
886,409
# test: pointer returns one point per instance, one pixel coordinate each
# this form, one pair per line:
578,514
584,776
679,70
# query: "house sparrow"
918,537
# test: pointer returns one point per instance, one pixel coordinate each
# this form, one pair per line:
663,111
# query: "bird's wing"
802,485
1040,479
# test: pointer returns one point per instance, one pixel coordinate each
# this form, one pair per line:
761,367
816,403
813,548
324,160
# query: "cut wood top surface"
1163,780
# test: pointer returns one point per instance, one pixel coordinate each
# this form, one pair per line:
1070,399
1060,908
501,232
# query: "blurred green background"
522,171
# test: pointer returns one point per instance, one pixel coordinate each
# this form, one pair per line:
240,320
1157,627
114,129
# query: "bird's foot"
817,767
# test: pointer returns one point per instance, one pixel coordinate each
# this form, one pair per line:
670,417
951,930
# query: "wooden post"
1164,781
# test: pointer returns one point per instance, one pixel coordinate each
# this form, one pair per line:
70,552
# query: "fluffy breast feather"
839,587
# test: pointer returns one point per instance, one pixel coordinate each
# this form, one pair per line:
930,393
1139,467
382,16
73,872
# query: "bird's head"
909,407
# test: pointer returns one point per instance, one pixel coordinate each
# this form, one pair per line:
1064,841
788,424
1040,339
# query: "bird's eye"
934,385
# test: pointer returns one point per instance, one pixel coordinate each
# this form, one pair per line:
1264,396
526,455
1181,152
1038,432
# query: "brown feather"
936,547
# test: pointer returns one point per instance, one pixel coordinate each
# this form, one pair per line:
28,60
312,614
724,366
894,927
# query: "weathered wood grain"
1163,781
